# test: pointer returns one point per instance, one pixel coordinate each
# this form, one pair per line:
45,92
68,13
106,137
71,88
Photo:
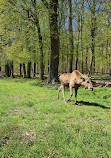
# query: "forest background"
48,37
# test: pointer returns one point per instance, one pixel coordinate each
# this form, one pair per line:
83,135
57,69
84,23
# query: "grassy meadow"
34,124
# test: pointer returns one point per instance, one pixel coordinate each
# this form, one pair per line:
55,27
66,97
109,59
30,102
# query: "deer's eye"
87,81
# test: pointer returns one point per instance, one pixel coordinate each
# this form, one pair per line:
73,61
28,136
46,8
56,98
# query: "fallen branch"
97,83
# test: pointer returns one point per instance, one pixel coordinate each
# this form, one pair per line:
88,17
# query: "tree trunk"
11,69
20,69
70,29
24,71
77,56
0,67
93,29
107,44
82,22
54,39
40,42
34,73
29,70
110,71
7,69
48,62
87,59
109,64
92,66
78,36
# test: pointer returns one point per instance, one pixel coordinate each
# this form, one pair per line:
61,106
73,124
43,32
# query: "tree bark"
11,69
54,42
107,44
54,39
70,29
34,73
29,70
40,42
86,59
24,71
82,22
7,69
78,36
20,69
0,67
109,64
93,29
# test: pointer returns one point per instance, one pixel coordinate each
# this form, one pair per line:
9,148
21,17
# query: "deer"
74,80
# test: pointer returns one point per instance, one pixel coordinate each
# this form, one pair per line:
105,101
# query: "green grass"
33,123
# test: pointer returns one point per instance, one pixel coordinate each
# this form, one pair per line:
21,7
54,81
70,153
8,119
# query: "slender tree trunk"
62,66
77,56
82,61
48,63
70,29
40,42
93,29
24,71
0,67
54,39
29,70
34,73
11,69
106,56
107,44
102,59
82,22
109,64
37,68
78,36
20,69
87,59
7,69
110,67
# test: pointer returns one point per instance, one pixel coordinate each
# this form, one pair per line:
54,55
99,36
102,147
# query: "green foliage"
34,123
19,39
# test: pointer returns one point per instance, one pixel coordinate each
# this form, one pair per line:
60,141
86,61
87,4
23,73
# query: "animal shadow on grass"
92,104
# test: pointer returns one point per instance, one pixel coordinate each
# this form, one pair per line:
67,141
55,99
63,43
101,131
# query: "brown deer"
74,80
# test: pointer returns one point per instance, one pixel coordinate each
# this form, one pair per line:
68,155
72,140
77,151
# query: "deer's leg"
71,94
63,93
76,95
59,89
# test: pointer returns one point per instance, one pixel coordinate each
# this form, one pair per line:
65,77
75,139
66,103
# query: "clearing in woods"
33,123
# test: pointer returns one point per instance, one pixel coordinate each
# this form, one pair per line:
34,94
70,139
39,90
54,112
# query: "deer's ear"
82,78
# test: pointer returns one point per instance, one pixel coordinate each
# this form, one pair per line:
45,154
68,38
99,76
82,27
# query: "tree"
54,39
82,22
40,39
70,29
92,7
78,32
